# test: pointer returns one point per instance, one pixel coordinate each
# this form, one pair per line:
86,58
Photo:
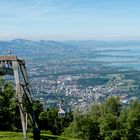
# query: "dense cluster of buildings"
49,89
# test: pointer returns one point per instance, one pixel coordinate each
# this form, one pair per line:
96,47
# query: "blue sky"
70,19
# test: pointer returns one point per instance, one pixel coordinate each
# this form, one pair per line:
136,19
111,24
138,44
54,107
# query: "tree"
38,108
101,122
85,126
7,107
109,127
49,120
133,121
112,105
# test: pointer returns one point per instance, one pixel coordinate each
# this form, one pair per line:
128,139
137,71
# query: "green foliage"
49,120
112,105
109,126
38,108
7,107
85,126
107,121
10,118
133,121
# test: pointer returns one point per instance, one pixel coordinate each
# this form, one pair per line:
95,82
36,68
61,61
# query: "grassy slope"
19,136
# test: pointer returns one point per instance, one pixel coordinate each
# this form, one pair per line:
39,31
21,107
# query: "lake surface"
120,56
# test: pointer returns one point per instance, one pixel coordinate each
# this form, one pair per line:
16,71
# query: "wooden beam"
8,58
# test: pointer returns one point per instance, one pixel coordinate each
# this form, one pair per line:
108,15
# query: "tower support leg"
19,97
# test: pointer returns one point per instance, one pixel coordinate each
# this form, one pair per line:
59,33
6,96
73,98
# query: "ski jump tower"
11,65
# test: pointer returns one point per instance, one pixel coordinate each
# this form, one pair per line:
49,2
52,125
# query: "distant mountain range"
27,47
21,47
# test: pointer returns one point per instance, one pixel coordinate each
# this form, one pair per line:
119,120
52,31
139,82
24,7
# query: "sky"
70,19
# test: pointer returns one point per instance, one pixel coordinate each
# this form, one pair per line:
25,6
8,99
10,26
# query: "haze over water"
126,56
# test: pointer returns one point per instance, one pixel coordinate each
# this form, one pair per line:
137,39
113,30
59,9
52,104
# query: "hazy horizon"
70,20
78,40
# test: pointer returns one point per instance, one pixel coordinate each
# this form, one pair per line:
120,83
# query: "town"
54,83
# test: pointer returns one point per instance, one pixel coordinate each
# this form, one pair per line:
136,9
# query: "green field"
19,136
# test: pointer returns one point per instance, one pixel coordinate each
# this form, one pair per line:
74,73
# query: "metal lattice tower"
11,65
